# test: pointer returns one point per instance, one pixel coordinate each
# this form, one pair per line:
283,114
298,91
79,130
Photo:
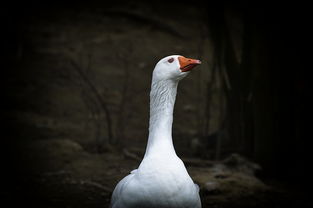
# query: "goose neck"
162,100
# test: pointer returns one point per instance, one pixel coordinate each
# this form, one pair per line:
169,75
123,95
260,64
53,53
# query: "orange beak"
186,64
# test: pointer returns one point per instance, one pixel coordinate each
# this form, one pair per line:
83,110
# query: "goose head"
174,67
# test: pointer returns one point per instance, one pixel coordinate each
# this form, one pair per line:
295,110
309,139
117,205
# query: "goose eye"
170,60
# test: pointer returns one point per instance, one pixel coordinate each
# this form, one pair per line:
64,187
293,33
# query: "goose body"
161,180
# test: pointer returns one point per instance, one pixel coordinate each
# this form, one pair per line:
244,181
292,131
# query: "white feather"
161,180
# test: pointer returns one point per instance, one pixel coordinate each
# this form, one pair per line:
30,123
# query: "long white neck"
162,100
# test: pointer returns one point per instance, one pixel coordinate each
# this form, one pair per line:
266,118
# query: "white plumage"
161,180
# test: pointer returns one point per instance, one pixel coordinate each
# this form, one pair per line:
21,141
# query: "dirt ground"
60,173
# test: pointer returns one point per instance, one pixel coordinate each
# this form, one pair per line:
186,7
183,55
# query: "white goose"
161,180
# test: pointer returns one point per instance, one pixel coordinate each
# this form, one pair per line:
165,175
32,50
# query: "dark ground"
61,174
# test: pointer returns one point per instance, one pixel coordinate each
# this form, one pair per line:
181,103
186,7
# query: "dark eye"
170,60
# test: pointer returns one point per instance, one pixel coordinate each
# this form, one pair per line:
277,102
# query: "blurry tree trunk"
265,107
237,80
207,111
248,66
202,120
258,89
216,32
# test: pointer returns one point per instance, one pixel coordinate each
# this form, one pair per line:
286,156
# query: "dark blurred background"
76,81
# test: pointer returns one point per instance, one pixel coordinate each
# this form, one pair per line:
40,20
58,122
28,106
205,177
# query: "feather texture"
161,180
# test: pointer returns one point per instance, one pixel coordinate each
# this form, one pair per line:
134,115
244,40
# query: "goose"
161,180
